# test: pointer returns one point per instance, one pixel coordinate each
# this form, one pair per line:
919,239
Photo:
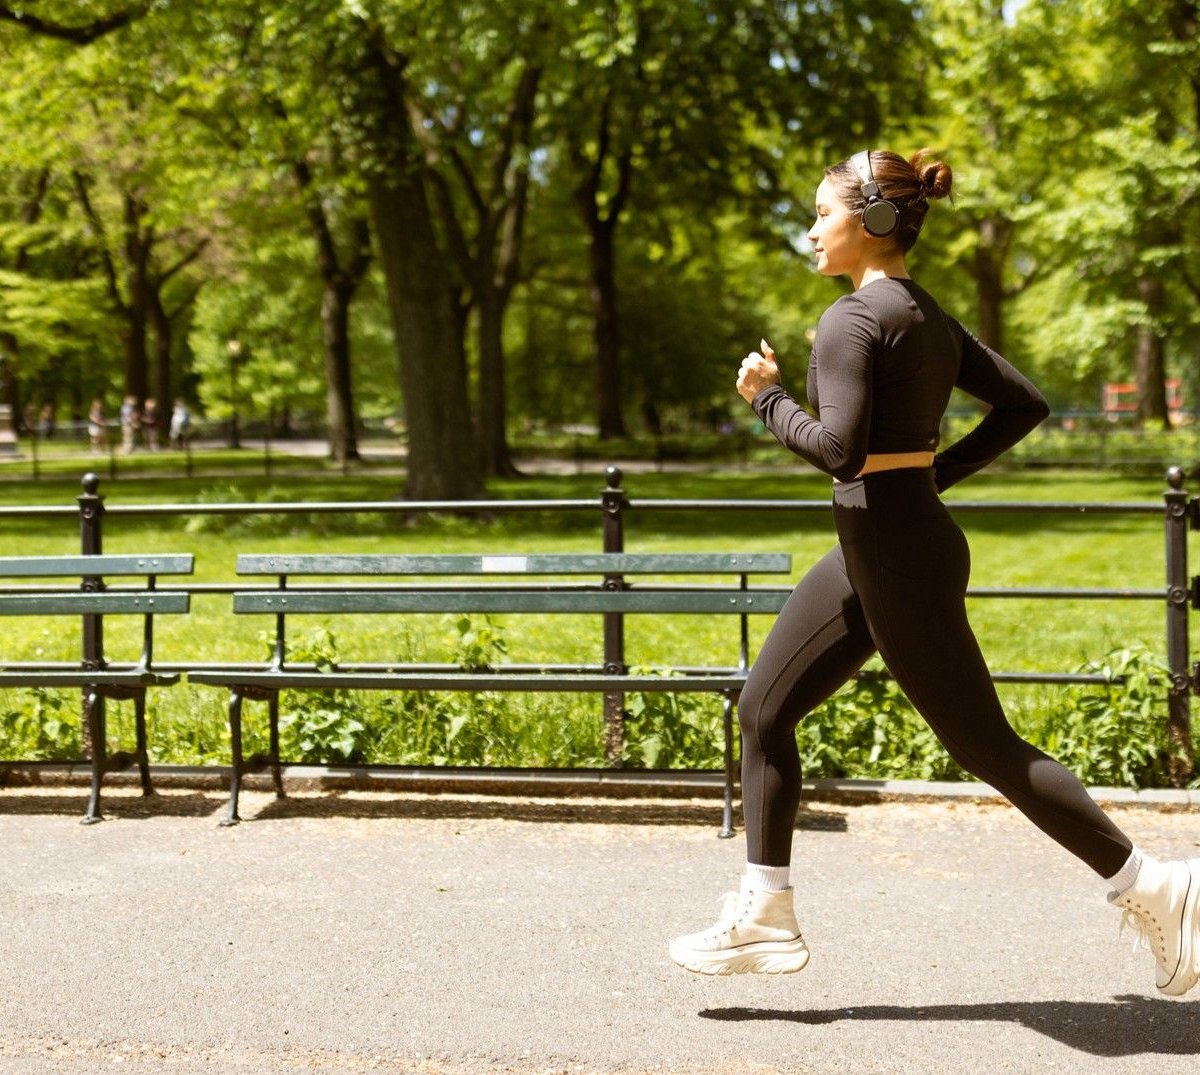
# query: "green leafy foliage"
1114,735
319,726
664,730
44,729
870,729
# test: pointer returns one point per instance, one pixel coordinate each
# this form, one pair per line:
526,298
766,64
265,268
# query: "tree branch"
188,298
184,261
31,213
110,271
80,35
1192,283
456,240
515,130
360,260
327,256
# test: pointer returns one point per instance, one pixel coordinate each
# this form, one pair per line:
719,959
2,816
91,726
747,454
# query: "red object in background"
1121,398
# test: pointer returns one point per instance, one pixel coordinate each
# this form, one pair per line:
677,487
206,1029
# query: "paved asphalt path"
354,931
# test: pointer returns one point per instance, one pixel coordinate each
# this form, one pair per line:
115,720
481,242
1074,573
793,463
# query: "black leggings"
896,583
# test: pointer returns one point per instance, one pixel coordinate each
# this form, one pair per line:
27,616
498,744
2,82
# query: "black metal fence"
1179,511
1078,439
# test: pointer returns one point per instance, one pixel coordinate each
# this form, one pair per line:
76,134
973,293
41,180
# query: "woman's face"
838,237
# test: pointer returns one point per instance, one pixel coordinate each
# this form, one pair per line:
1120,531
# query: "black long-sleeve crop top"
883,364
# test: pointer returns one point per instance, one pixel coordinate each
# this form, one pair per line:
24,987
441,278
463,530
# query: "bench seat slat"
64,604
531,564
696,601
466,681
80,566
33,678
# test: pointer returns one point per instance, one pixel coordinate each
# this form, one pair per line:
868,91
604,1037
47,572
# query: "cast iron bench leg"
273,704
235,778
94,711
727,814
139,709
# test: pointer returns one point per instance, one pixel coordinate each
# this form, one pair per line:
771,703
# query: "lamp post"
234,347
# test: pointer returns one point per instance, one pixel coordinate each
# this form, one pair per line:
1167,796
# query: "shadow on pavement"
616,812
337,804
111,806
1129,1026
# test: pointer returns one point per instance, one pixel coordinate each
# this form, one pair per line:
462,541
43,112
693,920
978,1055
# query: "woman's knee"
759,720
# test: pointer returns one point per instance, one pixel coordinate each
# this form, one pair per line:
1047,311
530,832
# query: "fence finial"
91,483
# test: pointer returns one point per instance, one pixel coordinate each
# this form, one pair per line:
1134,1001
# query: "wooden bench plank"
585,601
16,677
83,566
65,604
532,564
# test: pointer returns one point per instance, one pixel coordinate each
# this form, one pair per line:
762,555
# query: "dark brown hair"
907,184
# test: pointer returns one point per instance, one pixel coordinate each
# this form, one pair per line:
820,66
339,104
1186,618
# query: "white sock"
768,878
1123,879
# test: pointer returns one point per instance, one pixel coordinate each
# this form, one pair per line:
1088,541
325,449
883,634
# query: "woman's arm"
836,442
1017,407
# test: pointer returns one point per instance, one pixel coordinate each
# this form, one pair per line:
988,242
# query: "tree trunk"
162,364
133,334
1150,355
339,399
10,384
442,462
494,453
340,279
990,253
605,330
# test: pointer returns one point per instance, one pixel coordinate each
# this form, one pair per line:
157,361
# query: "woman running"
883,364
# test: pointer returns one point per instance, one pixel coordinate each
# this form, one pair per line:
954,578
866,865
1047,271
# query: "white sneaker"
757,933
1163,907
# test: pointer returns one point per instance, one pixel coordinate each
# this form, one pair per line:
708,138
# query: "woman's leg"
819,640
909,566
816,644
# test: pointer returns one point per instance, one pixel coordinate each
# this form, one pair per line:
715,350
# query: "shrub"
1114,734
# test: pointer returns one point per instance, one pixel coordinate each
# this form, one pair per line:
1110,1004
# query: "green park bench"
550,583
94,674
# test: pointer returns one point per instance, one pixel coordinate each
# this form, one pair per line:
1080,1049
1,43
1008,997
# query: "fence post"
91,517
1179,698
613,503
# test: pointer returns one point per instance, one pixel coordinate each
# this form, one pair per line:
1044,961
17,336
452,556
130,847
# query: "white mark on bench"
505,563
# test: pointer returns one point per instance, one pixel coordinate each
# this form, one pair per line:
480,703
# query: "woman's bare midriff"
894,461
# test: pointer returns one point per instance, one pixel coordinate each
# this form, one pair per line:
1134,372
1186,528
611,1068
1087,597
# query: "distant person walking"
130,422
181,422
883,364
149,424
47,420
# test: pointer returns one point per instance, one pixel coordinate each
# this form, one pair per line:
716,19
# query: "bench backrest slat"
695,601
80,566
533,564
65,604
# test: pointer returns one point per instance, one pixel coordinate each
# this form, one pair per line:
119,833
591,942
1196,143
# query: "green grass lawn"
188,723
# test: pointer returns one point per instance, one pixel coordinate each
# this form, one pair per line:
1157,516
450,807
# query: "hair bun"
935,175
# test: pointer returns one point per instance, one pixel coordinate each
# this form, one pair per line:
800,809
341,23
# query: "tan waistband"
895,461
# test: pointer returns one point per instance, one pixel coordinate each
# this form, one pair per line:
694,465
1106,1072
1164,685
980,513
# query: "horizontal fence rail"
1179,511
